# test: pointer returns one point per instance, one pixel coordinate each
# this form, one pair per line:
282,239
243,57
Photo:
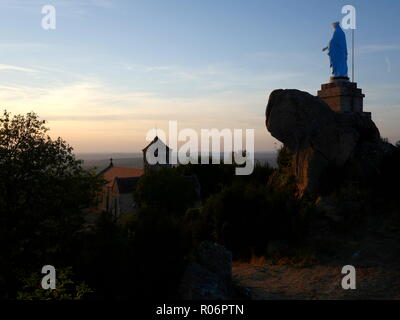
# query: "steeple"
108,167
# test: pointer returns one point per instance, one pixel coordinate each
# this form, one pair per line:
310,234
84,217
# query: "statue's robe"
338,53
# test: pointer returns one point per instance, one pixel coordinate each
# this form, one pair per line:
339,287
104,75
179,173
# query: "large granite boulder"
209,277
322,140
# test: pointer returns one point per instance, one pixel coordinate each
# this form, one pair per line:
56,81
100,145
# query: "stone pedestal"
342,96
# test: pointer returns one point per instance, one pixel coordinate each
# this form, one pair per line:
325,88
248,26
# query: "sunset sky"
112,70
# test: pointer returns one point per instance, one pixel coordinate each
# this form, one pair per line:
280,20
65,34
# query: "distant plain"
99,161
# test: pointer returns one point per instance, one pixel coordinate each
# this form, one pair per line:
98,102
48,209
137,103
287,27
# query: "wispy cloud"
217,79
22,45
136,67
89,113
16,68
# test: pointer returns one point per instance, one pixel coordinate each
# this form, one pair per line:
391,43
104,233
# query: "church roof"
108,167
113,172
156,140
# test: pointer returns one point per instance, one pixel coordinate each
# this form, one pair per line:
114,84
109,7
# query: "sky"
112,70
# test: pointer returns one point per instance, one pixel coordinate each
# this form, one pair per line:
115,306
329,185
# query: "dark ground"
373,251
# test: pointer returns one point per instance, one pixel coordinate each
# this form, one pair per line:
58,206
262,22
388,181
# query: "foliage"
141,260
260,175
43,192
249,211
212,177
283,180
159,248
165,189
103,258
159,253
66,287
284,158
244,217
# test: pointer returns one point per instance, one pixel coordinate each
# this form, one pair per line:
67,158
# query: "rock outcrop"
210,276
323,141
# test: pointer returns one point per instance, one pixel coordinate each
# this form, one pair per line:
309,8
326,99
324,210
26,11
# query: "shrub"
165,189
245,217
66,287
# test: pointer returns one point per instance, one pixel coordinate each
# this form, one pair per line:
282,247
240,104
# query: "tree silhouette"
43,191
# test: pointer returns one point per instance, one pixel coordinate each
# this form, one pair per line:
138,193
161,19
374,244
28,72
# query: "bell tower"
161,151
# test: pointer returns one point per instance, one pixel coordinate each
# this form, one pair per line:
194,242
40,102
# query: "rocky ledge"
322,141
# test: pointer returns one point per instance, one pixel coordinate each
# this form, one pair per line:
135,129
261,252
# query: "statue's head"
335,24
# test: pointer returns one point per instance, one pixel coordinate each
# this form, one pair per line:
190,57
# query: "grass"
254,261
300,259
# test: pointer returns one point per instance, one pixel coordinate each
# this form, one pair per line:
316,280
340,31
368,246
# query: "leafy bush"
160,253
66,287
165,189
283,180
212,177
244,217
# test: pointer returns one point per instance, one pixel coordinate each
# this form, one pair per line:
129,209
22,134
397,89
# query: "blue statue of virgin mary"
337,52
